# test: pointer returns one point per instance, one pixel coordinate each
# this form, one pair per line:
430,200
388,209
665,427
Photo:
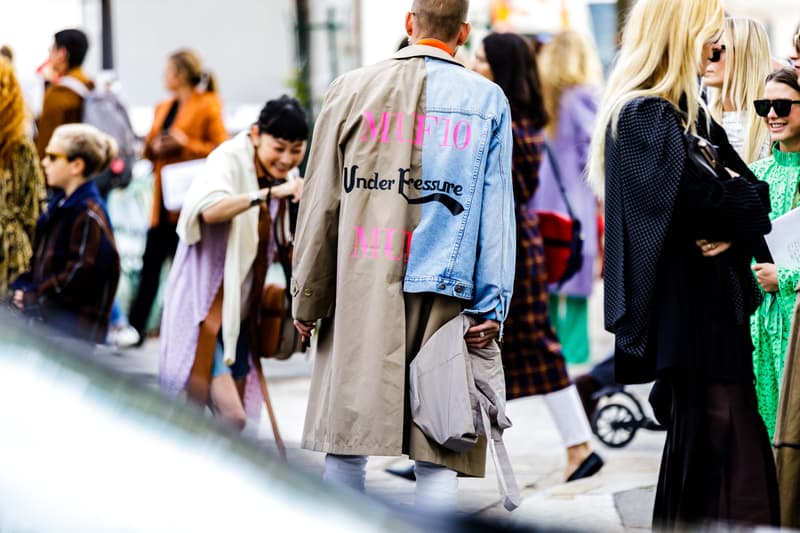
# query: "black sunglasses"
716,54
782,106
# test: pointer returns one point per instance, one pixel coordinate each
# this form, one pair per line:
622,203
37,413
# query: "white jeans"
567,411
437,486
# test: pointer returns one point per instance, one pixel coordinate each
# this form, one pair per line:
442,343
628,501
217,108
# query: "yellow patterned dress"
22,197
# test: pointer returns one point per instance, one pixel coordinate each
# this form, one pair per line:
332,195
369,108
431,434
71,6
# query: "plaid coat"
75,268
532,357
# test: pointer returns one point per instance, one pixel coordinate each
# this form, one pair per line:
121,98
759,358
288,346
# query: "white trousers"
567,411
437,486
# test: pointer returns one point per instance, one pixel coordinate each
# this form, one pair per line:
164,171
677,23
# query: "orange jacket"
200,118
60,106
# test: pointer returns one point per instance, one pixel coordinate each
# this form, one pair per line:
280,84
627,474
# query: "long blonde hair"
12,108
569,60
661,52
748,62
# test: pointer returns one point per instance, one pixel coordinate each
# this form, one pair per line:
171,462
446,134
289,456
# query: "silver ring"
482,334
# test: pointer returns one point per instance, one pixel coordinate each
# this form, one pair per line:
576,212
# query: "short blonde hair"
661,54
748,62
569,60
84,141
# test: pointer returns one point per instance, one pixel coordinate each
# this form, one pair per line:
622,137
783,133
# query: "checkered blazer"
532,358
646,163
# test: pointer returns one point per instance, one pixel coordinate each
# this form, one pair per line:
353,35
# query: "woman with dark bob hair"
532,358
213,296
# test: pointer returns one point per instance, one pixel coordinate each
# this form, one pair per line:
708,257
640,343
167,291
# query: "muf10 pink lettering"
390,243
408,128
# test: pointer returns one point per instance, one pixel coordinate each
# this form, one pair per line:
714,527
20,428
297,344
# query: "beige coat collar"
421,50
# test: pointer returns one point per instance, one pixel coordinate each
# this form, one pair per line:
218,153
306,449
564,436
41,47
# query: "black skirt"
717,465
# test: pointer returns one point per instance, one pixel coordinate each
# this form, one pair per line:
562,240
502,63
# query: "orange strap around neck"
436,43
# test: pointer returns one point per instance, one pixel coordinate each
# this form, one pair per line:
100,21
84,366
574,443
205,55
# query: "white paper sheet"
784,240
175,181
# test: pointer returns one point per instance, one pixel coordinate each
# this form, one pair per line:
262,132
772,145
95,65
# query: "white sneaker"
122,336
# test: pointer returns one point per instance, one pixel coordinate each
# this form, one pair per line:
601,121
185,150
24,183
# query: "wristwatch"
256,198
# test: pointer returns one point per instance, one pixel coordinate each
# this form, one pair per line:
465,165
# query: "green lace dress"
770,324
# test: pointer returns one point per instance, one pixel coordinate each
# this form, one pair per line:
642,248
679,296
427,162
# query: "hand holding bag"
457,394
561,234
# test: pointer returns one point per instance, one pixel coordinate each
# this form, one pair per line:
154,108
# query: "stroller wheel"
615,425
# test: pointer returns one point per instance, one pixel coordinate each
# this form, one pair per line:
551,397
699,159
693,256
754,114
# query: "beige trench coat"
342,274
787,429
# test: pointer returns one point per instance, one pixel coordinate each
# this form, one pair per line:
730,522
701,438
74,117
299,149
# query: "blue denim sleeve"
494,268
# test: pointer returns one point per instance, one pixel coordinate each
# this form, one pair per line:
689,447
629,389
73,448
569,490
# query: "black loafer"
405,473
589,467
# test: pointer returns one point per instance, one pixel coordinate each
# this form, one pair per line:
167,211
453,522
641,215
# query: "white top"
228,170
733,124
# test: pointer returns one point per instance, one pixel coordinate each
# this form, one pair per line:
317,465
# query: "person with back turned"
406,222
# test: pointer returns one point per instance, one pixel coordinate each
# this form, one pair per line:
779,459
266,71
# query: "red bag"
561,234
563,245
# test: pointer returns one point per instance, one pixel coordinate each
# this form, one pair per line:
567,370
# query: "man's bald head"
440,19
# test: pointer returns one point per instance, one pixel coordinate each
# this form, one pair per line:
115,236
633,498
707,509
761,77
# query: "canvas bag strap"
506,482
557,175
75,85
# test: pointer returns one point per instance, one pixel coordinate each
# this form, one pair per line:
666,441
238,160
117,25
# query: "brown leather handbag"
278,338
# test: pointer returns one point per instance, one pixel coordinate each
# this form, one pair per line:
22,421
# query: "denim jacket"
410,163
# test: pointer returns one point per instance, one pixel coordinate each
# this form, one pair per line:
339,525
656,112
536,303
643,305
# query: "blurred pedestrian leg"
120,333
162,242
437,487
567,411
347,470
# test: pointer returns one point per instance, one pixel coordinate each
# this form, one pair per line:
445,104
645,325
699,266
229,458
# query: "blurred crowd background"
261,49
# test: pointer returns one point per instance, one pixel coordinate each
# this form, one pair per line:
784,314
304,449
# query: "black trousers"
162,241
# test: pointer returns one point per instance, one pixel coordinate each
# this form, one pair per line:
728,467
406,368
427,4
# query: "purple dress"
194,279
576,119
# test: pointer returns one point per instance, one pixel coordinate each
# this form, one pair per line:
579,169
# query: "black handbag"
702,154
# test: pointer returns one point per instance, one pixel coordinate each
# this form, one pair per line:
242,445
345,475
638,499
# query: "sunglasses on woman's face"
53,156
782,106
716,54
